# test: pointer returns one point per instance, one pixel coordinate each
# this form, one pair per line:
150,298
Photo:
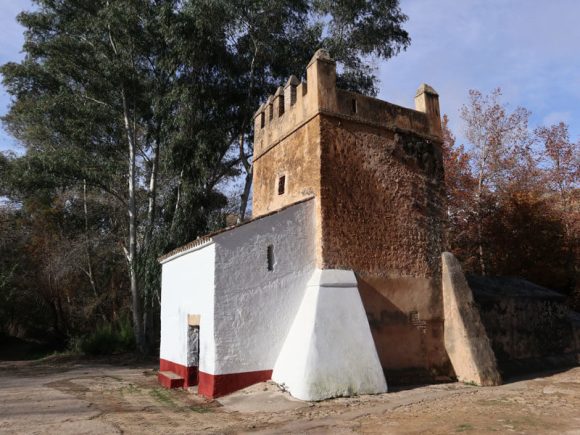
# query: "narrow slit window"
354,105
270,257
271,111
262,120
282,185
281,105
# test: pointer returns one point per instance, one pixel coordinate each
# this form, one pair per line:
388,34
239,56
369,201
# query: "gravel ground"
72,396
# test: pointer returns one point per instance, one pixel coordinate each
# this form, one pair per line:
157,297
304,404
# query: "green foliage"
176,81
106,339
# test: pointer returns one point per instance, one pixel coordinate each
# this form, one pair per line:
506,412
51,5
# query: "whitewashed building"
262,310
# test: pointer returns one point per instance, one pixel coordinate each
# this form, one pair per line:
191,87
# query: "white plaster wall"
256,307
187,287
330,351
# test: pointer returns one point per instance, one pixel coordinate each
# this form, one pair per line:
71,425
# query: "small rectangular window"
281,185
270,257
262,120
354,105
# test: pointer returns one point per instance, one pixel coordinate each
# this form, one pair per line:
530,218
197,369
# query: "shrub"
106,339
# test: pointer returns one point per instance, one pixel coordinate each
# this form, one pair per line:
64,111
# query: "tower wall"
377,173
297,158
382,216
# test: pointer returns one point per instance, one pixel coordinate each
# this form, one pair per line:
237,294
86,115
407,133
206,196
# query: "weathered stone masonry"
377,171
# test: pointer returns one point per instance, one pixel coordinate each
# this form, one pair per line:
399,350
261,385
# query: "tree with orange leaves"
513,197
561,169
498,139
460,188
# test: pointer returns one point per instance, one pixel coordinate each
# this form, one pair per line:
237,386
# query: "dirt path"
72,397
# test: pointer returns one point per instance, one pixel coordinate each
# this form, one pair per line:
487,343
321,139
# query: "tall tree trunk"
246,194
88,252
249,167
177,205
151,215
480,223
152,206
89,271
131,253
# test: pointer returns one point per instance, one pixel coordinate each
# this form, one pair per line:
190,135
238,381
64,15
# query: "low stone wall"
530,327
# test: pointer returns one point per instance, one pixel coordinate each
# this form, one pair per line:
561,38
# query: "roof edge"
206,239
199,243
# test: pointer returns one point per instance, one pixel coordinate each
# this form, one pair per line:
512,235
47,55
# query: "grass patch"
199,409
162,396
129,389
167,398
464,427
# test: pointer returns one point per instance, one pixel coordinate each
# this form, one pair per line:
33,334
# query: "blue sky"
530,48
11,40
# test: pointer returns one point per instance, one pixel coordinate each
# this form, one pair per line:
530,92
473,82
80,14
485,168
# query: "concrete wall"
255,307
187,287
306,324
406,320
378,112
382,200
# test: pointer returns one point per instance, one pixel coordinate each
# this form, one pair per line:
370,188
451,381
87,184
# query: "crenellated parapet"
296,103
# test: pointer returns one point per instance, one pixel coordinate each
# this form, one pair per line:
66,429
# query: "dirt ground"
72,396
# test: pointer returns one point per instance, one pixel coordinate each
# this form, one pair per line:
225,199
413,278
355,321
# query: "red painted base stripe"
189,374
213,386
169,382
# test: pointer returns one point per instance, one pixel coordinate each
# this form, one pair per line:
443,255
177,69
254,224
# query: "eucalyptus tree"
149,102
106,88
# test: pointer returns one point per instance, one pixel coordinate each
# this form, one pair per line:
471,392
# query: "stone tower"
376,172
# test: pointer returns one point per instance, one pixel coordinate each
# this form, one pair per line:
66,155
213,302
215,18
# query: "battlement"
296,103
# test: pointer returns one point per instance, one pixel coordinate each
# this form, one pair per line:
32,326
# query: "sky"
529,48
11,39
